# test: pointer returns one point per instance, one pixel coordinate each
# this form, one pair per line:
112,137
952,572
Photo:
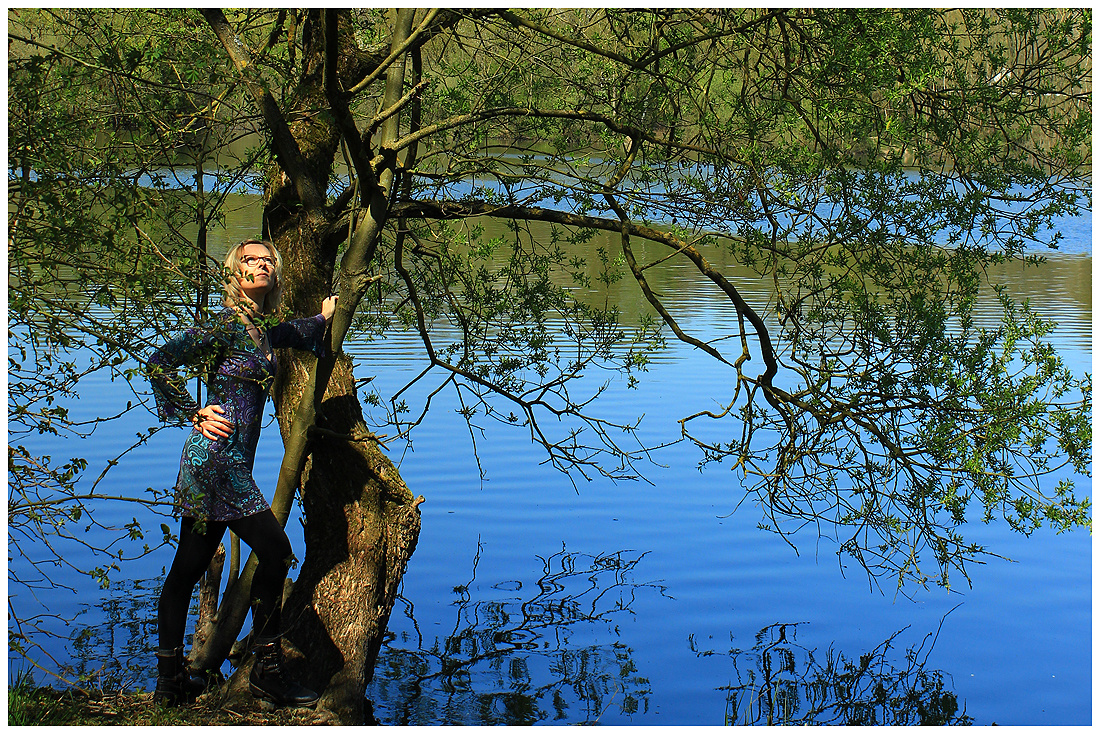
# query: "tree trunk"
361,521
209,587
362,525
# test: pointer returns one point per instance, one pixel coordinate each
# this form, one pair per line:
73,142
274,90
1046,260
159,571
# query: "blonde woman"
215,489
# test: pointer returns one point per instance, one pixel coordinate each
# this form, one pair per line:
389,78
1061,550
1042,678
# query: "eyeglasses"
252,261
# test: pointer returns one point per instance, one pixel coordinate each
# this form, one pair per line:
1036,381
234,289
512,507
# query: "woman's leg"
267,680
192,559
267,539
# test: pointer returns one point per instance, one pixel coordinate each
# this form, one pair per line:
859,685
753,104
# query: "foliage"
870,164
103,261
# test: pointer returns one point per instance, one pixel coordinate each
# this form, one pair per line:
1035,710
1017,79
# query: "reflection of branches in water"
113,653
522,659
784,683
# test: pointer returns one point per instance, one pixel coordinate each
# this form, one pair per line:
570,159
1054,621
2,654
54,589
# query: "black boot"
175,683
269,683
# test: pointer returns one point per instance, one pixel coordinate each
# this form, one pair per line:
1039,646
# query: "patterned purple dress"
215,479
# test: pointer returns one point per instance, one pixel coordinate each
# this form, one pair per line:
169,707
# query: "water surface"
530,599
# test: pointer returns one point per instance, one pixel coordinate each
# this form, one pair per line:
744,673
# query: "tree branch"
286,146
610,122
639,276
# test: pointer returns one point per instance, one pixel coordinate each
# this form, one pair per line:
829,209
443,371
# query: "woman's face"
257,274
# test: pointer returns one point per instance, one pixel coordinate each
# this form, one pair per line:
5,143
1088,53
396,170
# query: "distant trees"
870,164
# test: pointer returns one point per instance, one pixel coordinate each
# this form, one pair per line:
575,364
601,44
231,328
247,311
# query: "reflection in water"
114,654
779,681
549,652
544,656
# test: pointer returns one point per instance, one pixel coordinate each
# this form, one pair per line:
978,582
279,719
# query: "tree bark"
362,524
209,587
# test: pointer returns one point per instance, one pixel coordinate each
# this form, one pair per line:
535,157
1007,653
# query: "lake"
529,600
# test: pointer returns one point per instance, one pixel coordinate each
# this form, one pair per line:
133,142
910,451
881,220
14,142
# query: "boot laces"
273,668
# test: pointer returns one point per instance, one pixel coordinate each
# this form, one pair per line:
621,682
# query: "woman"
215,489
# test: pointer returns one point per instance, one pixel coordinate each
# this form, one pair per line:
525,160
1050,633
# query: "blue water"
1016,646
529,599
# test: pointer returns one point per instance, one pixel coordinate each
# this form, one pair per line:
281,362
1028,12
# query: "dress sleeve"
192,347
305,334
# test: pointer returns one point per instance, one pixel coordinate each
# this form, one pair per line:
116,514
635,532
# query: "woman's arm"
306,334
194,346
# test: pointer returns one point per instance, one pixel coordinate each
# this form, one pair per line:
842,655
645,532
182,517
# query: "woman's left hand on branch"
328,307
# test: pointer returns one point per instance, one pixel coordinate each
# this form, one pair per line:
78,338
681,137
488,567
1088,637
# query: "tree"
870,164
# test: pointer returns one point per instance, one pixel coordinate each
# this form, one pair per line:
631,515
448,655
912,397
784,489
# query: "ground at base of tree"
52,707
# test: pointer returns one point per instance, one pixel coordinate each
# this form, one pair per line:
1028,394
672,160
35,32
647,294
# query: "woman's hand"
328,307
210,423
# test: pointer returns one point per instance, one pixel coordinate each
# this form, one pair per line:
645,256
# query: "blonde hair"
234,294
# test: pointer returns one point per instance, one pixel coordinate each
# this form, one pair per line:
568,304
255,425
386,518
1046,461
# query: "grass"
31,706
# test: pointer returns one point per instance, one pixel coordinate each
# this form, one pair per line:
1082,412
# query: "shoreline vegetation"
46,706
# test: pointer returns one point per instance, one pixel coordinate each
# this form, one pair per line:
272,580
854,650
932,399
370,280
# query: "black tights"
268,540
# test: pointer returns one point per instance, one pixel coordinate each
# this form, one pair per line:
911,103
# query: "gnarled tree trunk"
362,524
361,521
